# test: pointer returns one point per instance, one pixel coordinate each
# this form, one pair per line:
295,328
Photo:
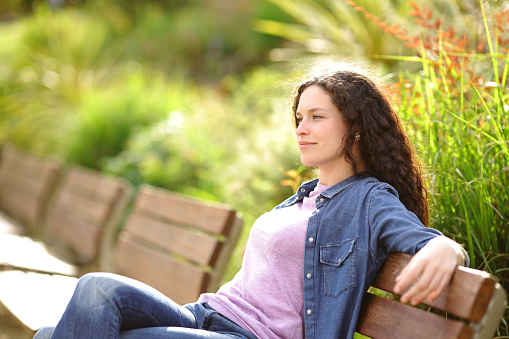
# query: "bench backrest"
177,244
26,183
474,304
87,207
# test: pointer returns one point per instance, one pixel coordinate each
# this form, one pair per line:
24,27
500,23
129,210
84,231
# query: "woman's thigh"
213,326
139,305
156,333
175,332
105,304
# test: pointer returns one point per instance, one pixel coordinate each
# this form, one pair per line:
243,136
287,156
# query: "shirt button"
321,199
311,239
302,190
317,211
308,275
308,311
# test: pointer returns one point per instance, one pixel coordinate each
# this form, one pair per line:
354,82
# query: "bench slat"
176,279
92,184
26,183
88,206
209,217
15,162
386,319
21,207
467,298
190,240
173,238
79,235
70,201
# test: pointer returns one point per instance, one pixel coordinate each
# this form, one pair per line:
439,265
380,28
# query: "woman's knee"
94,287
106,287
94,281
44,333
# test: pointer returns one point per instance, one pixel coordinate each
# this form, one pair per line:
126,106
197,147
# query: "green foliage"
458,113
333,27
108,117
457,109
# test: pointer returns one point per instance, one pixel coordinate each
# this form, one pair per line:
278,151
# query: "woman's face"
321,130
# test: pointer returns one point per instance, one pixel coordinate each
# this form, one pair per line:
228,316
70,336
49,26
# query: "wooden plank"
178,280
24,185
26,181
467,296
21,207
197,247
81,236
386,319
83,207
83,218
92,184
26,165
214,218
224,254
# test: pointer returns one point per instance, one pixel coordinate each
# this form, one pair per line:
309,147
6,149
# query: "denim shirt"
355,226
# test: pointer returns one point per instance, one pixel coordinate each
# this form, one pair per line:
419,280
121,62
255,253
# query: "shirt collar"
309,186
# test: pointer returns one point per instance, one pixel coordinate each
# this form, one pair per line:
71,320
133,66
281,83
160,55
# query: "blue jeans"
108,306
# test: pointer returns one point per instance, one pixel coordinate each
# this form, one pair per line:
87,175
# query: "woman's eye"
317,116
298,121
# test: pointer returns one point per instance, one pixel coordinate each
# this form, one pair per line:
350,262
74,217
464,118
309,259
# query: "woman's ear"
358,135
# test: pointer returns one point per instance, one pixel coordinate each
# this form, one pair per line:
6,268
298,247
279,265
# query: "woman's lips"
305,144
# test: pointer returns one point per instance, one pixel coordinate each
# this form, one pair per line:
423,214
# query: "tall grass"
456,108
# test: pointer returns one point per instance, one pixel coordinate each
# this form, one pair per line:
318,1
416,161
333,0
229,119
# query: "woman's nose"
302,128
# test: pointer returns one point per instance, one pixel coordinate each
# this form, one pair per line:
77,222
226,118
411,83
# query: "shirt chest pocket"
337,263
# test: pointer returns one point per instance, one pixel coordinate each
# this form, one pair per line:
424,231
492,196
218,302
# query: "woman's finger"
408,276
420,288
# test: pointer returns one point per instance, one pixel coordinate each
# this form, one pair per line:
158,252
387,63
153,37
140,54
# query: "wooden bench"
177,244
86,208
172,242
85,214
26,183
471,307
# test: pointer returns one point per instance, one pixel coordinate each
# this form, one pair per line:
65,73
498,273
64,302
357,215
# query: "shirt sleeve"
393,228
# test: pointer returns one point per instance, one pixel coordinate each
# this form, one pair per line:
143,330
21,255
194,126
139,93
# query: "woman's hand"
429,271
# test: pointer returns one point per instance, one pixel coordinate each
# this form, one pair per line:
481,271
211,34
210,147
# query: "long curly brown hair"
384,145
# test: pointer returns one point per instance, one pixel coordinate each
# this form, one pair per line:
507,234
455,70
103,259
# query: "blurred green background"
194,96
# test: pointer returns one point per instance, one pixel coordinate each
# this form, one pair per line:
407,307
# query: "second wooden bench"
175,243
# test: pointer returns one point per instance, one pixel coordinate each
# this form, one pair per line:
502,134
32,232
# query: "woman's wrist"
460,253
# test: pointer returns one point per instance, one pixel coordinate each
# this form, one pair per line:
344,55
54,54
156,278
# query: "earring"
357,136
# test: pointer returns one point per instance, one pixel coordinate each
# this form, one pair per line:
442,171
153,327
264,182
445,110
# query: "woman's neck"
331,178
332,175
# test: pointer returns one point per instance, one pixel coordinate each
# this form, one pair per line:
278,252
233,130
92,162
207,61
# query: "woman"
309,261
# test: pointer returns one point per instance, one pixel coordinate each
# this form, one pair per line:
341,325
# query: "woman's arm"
428,273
